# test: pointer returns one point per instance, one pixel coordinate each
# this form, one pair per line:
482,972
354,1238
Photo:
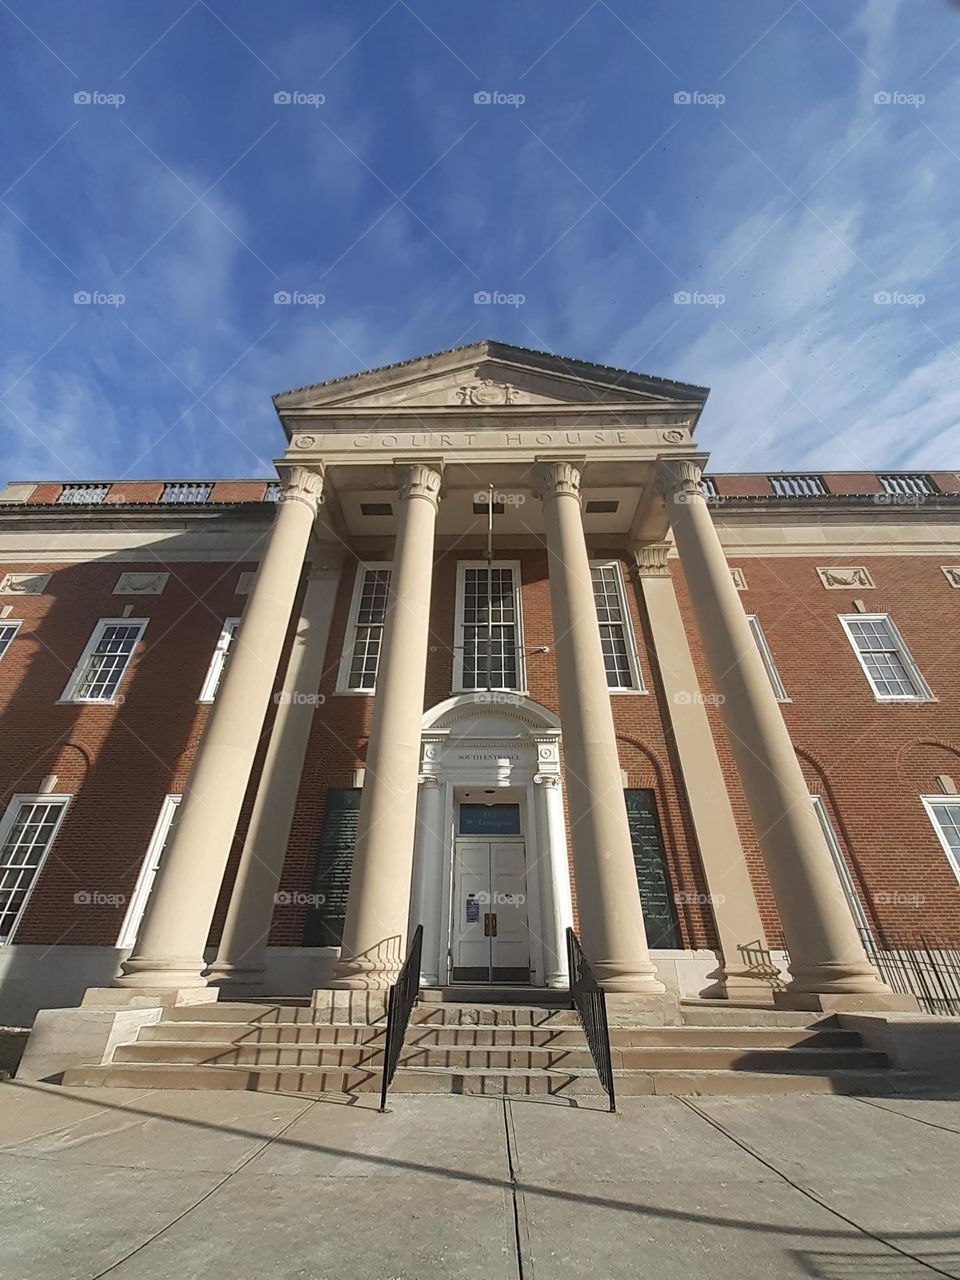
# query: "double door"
490,939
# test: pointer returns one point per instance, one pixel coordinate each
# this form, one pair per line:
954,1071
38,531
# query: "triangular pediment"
489,375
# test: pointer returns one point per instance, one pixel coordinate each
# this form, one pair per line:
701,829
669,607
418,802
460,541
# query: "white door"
490,936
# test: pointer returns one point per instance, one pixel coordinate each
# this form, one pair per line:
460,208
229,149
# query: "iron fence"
915,965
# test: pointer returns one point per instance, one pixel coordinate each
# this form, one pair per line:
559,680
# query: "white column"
827,958
243,945
556,907
426,900
608,900
169,950
374,934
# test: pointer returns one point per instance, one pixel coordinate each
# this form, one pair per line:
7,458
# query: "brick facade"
870,761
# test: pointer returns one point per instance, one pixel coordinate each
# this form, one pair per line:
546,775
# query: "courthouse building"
498,653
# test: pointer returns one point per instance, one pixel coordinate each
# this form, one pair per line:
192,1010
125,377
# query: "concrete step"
314,1081
541,997
443,1057
503,1059
509,1036
706,1014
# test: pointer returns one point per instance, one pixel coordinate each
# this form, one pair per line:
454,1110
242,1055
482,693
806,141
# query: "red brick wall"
871,760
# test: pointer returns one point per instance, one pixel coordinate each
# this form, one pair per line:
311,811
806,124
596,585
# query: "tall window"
488,653
218,662
944,813
104,661
846,880
885,659
148,872
7,631
649,860
27,831
323,926
779,692
368,612
616,633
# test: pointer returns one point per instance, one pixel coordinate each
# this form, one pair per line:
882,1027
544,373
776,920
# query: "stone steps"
515,1049
516,1083
524,1036
444,1057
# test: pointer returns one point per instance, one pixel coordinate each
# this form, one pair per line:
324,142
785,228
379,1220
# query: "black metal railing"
925,967
403,996
591,1005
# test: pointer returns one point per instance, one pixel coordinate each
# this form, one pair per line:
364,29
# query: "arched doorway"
491,884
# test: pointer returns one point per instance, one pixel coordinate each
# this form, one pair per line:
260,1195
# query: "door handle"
486,924
493,924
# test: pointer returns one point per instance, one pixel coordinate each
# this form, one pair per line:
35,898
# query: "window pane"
883,658
368,629
614,636
21,855
326,912
7,631
108,661
489,629
659,909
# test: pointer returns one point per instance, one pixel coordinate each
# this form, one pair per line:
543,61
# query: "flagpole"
489,588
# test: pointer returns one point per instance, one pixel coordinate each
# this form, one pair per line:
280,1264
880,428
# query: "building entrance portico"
491,882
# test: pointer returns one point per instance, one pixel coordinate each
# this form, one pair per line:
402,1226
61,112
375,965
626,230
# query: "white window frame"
6,824
16,624
69,693
218,660
350,635
922,692
843,871
629,634
458,648
148,872
930,803
779,691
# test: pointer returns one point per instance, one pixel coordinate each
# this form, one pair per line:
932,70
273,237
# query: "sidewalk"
179,1186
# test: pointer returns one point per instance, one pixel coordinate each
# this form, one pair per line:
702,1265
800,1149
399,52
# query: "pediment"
490,376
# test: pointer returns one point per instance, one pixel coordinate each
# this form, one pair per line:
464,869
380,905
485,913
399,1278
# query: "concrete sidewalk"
179,1186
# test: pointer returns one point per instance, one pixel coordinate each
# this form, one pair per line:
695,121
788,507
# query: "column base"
179,972
882,1001
236,978
615,975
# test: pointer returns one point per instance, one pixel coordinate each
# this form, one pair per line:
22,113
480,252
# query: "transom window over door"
364,639
488,653
616,633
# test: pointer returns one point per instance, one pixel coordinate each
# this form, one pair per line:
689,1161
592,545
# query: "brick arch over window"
644,769
920,764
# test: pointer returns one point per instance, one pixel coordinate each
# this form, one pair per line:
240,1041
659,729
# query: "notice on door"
473,909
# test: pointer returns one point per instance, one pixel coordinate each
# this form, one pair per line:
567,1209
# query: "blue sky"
783,197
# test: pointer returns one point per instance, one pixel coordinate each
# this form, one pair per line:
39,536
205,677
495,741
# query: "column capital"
428,780
547,779
650,560
422,480
302,485
556,479
679,479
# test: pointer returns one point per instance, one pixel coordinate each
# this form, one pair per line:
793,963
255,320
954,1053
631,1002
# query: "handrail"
403,996
588,999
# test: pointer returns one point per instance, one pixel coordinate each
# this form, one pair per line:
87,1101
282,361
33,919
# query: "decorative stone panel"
245,582
739,580
140,584
952,574
24,584
844,577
